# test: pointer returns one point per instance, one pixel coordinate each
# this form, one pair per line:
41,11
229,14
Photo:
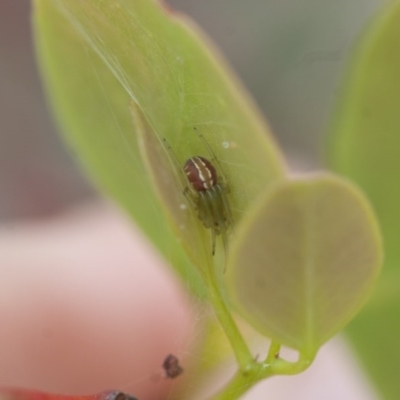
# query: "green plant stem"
242,352
250,372
239,384
273,352
283,367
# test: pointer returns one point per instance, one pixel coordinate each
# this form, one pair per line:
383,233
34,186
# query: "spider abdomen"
200,173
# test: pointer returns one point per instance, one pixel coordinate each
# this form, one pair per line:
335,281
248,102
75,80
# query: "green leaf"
374,334
365,146
100,57
305,261
365,140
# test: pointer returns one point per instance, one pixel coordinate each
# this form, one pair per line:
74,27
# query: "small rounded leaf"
305,261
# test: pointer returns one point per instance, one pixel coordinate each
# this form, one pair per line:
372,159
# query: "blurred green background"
290,56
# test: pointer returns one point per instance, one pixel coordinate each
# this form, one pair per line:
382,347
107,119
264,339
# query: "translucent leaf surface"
365,146
98,57
366,140
305,261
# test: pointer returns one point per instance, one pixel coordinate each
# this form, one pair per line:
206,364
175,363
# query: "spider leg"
206,205
213,240
202,138
222,217
189,198
173,158
227,209
214,158
225,243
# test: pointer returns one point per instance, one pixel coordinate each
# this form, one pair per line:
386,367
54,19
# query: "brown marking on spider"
201,173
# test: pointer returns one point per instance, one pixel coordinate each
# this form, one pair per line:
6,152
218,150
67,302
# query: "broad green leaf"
98,57
93,111
102,62
374,334
365,140
305,261
365,146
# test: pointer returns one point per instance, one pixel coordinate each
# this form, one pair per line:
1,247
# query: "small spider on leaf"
207,191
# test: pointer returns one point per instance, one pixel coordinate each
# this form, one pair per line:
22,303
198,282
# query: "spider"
206,192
